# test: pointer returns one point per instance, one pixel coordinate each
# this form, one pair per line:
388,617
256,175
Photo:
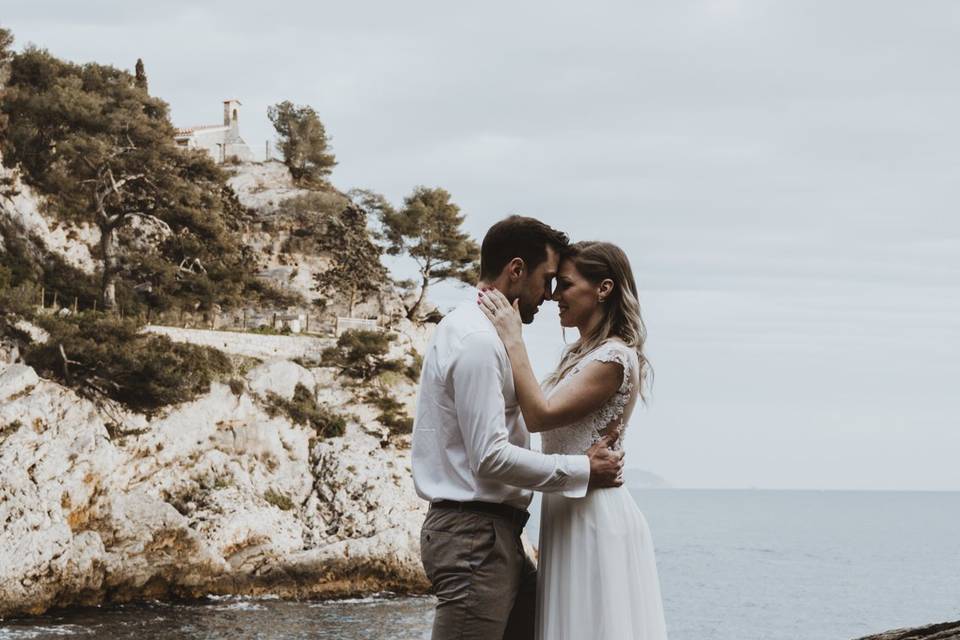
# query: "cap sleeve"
615,351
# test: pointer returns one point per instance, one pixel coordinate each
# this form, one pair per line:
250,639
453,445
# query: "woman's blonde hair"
599,261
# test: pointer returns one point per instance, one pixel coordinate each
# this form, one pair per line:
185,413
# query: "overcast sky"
785,177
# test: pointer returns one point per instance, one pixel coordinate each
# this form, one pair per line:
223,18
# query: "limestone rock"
263,185
23,212
17,379
212,496
279,376
941,631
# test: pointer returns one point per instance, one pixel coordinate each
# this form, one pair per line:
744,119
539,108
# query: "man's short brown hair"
518,237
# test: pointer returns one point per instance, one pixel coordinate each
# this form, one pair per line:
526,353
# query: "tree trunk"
412,312
108,283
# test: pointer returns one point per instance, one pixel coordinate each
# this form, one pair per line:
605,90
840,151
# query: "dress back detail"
579,436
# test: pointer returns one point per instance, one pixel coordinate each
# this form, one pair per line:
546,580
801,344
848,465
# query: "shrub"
279,500
6,277
107,357
412,370
361,354
304,410
237,386
392,413
9,429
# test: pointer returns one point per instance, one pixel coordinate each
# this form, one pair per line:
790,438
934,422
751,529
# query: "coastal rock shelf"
214,496
941,631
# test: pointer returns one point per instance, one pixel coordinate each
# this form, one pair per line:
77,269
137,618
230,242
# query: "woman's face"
575,295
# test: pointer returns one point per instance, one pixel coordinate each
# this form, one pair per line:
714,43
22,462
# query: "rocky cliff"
213,496
221,495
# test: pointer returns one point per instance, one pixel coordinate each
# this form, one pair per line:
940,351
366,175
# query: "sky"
782,175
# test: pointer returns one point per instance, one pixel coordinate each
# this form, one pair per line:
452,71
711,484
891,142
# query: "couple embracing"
478,403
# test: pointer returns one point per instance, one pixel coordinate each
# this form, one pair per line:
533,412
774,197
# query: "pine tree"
303,142
428,229
355,268
102,152
6,54
140,76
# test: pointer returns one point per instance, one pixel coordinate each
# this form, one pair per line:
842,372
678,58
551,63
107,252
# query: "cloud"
782,175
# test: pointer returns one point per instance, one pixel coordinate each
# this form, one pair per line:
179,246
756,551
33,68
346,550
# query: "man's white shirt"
469,439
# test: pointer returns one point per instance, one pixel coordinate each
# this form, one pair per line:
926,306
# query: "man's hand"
606,466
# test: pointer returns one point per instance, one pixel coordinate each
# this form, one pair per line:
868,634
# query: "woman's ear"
605,289
515,268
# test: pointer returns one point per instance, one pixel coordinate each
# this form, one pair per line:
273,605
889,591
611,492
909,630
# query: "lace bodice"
581,435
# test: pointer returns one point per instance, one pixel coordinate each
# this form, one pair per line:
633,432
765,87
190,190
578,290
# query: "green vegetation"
355,268
304,410
329,224
6,54
237,386
29,269
303,143
100,149
107,358
361,354
6,277
392,413
412,370
9,429
428,229
307,216
140,76
279,500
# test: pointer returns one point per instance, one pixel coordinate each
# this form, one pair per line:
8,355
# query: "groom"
471,456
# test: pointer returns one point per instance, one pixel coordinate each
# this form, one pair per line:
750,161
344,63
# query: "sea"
734,565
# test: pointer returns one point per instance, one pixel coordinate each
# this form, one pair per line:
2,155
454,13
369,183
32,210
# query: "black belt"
515,515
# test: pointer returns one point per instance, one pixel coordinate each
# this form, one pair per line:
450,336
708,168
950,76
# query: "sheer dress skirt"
597,574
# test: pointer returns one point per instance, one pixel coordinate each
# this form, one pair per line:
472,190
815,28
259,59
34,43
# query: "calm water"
734,565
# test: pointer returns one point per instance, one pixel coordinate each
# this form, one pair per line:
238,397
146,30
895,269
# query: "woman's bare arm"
595,384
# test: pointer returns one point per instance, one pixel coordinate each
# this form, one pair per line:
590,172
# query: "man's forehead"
552,262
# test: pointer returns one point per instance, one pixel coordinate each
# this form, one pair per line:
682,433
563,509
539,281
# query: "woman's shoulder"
613,350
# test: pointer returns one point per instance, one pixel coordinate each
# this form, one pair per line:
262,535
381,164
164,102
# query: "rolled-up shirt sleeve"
478,378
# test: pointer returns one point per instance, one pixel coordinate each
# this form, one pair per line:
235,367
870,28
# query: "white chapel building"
221,141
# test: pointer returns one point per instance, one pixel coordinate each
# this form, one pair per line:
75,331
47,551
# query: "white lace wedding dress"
597,577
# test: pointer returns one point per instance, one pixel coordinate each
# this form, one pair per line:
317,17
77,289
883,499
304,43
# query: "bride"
597,572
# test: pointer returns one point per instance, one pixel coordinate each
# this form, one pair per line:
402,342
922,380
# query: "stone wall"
265,347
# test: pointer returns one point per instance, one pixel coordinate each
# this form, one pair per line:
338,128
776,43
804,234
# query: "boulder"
941,631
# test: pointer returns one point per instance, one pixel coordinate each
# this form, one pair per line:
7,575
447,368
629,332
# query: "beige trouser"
485,584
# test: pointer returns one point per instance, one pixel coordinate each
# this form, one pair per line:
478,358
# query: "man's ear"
515,269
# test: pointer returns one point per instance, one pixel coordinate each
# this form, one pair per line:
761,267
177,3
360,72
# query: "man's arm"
478,393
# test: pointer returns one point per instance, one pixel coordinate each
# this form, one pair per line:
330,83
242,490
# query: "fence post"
43,296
